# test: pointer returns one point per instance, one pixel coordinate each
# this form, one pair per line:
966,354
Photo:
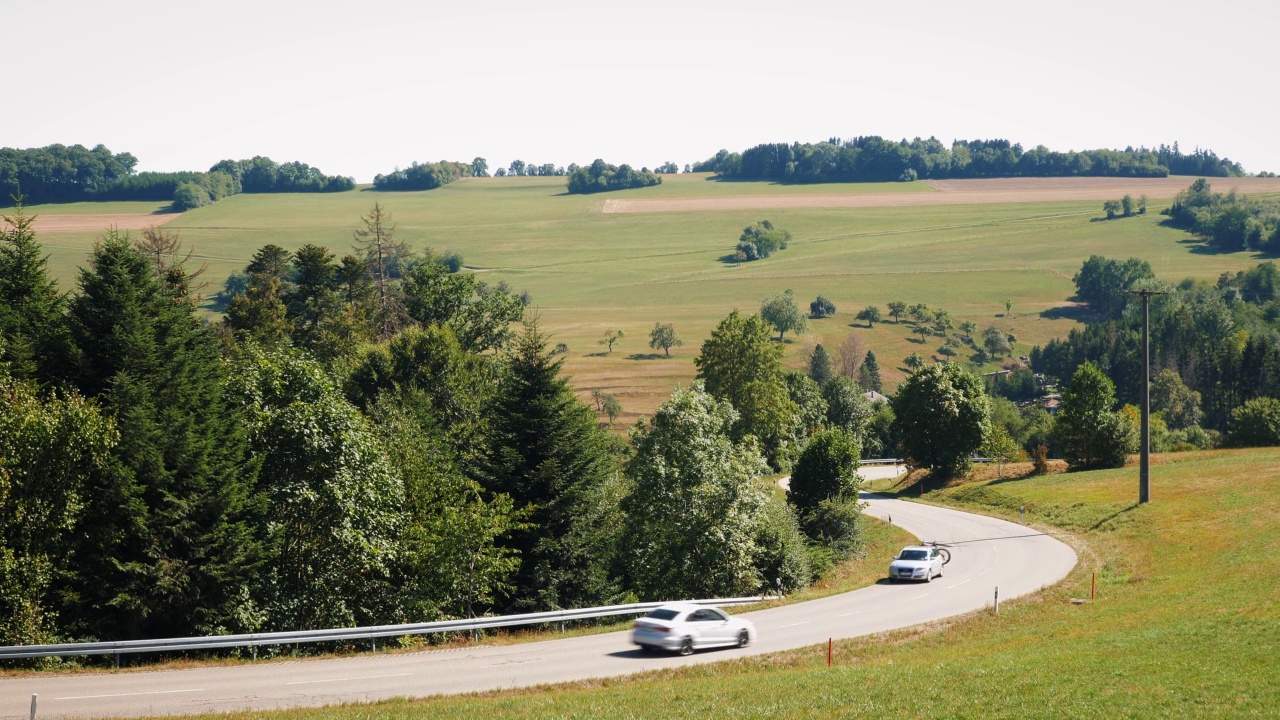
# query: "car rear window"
663,614
914,555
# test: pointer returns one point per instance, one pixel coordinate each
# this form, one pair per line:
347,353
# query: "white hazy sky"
358,88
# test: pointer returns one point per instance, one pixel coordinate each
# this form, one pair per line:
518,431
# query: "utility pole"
1144,462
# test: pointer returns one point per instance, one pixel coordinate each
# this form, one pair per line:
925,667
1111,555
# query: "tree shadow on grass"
646,356
599,354
1079,313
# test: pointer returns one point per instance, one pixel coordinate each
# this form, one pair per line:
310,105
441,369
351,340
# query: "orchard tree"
663,335
610,338
870,315
781,312
821,308
914,361
943,416
897,310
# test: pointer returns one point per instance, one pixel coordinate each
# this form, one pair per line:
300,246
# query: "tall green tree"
50,448
1088,432
869,374
692,527
376,239
166,545
826,470
781,312
820,365
740,363
481,317
31,308
870,315
336,504
313,299
943,416
548,454
847,406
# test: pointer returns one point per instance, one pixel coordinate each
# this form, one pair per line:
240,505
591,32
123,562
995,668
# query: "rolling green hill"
589,271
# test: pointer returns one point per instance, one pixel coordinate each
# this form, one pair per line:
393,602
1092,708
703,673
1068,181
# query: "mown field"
589,272
1184,623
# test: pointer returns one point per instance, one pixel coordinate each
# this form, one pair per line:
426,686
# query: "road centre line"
806,622
363,677
153,692
921,596
958,584
855,612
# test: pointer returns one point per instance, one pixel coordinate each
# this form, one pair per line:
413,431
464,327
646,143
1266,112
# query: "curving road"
986,553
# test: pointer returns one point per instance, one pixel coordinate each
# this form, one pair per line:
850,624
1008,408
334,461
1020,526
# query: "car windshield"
914,555
663,614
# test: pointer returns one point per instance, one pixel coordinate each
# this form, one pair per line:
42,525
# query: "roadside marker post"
828,653
997,599
33,705
1093,587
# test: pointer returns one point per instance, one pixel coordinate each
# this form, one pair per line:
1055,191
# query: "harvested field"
48,223
951,192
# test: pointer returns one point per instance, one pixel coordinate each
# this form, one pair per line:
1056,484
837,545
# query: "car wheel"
744,638
928,576
686,647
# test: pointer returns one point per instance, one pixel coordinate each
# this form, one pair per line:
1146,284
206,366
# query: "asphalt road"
985,552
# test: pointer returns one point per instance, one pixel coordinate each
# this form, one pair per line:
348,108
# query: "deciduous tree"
943,416
781,312
663,335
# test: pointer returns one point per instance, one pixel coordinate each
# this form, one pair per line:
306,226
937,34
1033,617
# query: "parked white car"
683,628
917,563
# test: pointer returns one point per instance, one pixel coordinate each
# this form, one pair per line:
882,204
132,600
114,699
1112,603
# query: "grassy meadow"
1184,623
589,272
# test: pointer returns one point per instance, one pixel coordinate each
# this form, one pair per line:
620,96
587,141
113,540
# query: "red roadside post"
828,652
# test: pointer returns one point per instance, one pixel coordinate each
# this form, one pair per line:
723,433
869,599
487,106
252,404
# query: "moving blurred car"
916,563
683,628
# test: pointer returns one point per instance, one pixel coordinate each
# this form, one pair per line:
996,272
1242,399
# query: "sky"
361,88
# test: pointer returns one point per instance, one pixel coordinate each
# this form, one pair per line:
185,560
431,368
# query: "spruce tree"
869,374
547,452
820,365
166,546
31,319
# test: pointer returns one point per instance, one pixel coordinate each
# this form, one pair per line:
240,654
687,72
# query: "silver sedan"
683,628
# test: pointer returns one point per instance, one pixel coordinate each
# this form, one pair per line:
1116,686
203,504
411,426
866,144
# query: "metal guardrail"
254,640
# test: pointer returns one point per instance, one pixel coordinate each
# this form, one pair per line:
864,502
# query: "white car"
684,627
917,563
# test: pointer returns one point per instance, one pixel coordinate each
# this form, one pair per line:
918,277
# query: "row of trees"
426,176
58,173
873,158
1227,221
600,176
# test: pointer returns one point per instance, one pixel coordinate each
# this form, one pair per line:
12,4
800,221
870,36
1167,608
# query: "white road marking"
363,677
920,596
856,612
806,622
958,584
153,692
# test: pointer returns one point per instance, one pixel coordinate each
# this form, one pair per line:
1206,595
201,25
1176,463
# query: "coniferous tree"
165,547
548,453
869,374
30,305
820,365
314,297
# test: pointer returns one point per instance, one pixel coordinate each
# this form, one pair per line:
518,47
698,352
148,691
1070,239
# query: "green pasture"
589,272
1184,623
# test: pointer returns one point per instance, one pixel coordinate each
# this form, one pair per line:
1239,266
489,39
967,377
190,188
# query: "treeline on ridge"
60,173
875,159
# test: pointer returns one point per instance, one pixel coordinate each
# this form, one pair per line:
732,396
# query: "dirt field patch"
953,192
98,223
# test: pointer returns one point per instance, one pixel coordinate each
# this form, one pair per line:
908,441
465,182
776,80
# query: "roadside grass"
589,272
1184,624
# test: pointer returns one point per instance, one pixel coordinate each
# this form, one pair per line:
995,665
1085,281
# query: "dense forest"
875,159
60,173
372,436
1220,341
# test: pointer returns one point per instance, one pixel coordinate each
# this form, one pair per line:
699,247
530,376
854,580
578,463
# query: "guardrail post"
117,660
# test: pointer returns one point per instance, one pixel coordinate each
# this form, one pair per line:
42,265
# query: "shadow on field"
646,356
1079,313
